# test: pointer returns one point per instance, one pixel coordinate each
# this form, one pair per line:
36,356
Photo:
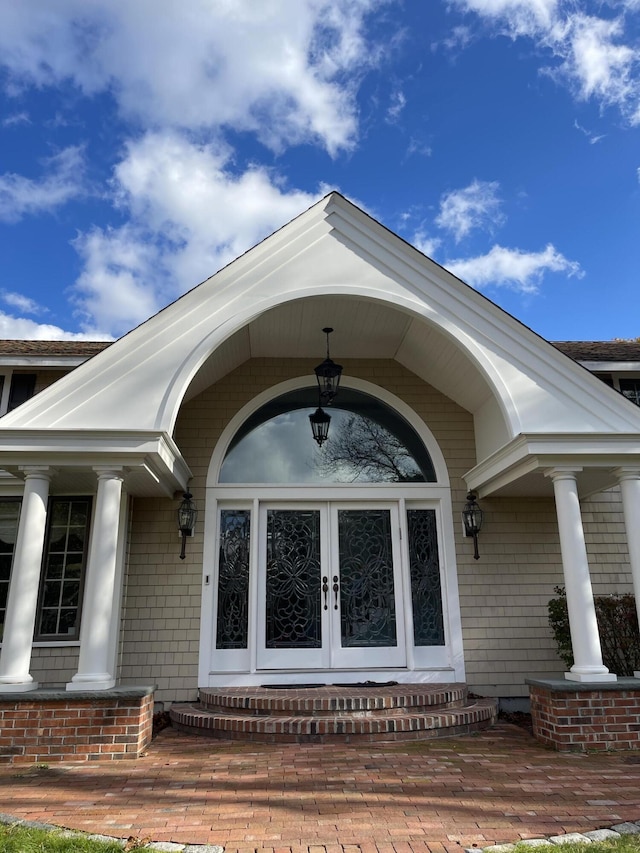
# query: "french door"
329,587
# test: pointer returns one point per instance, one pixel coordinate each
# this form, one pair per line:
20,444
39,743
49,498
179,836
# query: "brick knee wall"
576,717
48,725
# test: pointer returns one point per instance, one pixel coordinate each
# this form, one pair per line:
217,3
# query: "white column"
629,479
22,601
98,603
585,638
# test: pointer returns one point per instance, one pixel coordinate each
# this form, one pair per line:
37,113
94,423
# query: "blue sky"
146,143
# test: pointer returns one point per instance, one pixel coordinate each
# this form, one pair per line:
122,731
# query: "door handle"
335,591
325,590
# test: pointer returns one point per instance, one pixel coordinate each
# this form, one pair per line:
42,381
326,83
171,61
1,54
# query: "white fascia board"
610,366
156,452
530,453
62,362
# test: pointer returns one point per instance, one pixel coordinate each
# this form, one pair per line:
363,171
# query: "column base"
18,687
591,677
96,682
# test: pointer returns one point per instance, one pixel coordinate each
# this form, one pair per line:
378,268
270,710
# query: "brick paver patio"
476,790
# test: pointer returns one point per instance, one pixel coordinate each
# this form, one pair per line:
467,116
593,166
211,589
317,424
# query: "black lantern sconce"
472,520
328,375
187,516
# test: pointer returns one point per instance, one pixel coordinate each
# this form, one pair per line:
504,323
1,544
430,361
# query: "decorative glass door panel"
367,632
293,580
291,619
367,591
329,588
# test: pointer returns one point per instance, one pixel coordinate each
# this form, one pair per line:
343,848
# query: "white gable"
336,266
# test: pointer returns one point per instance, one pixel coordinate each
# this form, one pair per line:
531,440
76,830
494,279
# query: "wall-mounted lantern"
187,516
472,520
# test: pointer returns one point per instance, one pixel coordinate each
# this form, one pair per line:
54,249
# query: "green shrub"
618,626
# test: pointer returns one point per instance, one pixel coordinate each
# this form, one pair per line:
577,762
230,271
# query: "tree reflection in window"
368,443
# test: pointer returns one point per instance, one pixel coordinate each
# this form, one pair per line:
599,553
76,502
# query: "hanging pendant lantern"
328,374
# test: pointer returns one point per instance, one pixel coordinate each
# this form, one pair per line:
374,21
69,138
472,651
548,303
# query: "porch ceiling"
363,329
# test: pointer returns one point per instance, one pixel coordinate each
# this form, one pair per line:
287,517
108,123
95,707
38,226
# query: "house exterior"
303,564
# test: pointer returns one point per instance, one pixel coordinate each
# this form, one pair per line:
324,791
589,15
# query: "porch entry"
338,563
330,580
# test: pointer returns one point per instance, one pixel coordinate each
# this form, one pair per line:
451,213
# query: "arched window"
368,442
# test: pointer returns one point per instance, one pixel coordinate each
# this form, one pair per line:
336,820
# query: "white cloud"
475,206
596,56
513,268
426,244
284,70
599,65
22,303
592,137
16,118
190,214
23,329
521,17
21,196
398,103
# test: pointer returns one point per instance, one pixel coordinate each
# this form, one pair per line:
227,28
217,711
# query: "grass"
624,844
15,838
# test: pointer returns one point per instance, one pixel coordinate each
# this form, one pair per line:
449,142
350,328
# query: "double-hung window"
64,562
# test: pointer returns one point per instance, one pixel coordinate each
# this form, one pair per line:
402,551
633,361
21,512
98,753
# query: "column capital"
627,472
37,472
109,472
563,472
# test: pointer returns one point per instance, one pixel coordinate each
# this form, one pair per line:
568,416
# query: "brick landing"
440,796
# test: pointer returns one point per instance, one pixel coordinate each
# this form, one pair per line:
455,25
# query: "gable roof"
335,265
43,348
600,351
616,350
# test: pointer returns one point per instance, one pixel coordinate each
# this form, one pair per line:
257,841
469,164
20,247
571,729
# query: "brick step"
335,699
335,714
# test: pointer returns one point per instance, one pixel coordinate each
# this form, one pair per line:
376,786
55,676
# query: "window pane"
631,390
76,539
56,566
70,594
68,622
51,594
49,622
58,538
368,443
22,388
